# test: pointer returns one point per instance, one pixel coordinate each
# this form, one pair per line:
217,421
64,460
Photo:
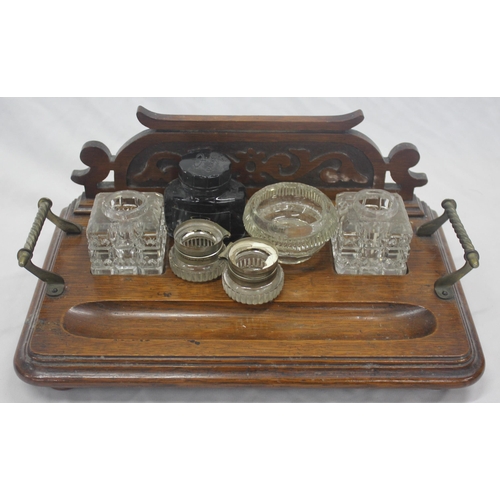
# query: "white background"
458,139
260,48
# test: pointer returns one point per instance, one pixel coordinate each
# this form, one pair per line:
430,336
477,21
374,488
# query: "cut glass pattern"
373,235
127,233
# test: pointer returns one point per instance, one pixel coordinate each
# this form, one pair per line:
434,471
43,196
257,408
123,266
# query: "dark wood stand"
323,330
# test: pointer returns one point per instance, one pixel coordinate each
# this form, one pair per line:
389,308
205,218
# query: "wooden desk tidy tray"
324,329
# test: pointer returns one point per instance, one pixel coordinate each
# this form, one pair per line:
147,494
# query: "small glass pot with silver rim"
253,274
195,255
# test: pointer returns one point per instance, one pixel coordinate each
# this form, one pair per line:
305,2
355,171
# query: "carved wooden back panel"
321,151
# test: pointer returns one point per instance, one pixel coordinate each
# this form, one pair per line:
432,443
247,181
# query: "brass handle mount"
55,283
443,286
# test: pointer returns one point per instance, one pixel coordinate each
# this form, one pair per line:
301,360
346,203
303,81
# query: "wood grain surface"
324,329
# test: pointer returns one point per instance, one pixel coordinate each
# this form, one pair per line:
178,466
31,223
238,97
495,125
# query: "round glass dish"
195,255
253,275
296,218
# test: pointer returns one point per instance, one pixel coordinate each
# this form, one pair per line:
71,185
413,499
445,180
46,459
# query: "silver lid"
252,260
199,239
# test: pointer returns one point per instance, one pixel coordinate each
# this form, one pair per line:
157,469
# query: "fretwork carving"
321,151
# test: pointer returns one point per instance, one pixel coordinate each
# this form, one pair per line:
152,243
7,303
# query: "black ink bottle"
206,190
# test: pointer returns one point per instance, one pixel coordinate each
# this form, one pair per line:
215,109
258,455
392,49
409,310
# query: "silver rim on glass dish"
195,255
253,274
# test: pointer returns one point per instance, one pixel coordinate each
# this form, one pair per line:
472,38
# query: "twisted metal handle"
443,286
55,283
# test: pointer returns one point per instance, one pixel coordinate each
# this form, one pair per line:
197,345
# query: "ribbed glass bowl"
296,218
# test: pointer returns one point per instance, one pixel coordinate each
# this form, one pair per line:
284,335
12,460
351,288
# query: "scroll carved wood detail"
252,167
158,170
333,160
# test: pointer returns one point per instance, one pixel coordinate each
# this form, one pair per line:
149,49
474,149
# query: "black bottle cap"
205,170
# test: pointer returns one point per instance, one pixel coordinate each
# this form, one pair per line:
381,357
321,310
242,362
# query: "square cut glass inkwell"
127,233
373,235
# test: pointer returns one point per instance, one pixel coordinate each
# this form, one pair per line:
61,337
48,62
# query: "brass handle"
55,283
443,286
